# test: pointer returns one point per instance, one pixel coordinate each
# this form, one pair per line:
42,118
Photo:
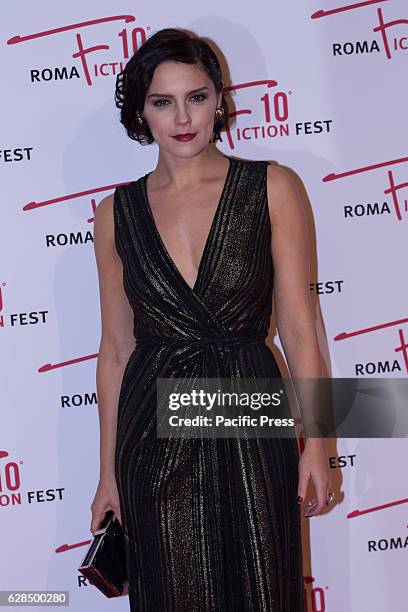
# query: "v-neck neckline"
208,241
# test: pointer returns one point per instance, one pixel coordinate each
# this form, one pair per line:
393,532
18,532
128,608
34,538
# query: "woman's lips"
184,137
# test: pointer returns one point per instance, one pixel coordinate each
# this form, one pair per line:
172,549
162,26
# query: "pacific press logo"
389,29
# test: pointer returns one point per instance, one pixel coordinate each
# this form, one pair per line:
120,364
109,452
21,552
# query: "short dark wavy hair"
133,82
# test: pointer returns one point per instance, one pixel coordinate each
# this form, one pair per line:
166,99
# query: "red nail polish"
299,499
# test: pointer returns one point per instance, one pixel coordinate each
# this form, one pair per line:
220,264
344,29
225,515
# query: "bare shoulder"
278,177
284,200
104,212
105,207
104,222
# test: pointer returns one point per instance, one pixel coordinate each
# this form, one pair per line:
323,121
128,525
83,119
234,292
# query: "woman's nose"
182,115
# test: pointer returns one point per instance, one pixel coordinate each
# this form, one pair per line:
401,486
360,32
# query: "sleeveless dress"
211,525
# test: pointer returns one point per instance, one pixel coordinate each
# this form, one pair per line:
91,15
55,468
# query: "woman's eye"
164,102
199,97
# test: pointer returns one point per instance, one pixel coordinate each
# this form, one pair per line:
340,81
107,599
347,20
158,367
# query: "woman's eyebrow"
193,91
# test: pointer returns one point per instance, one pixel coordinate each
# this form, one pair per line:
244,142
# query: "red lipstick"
184,137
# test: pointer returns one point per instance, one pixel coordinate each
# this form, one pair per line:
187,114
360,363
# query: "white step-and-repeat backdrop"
317,85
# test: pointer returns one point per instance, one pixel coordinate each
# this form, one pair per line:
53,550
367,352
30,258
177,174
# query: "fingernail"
299,499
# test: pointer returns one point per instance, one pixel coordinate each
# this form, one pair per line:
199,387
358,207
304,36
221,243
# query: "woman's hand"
106,498
314,464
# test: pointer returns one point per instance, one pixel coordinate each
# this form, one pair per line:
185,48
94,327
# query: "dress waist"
258,336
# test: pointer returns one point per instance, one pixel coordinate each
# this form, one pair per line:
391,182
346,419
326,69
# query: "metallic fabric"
210,525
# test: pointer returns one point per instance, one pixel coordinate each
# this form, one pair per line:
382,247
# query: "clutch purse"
104,564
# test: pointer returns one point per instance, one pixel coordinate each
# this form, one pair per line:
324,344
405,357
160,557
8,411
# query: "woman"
184,258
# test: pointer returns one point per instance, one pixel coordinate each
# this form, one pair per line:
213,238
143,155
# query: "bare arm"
294,313
117,341
294,317
290,253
